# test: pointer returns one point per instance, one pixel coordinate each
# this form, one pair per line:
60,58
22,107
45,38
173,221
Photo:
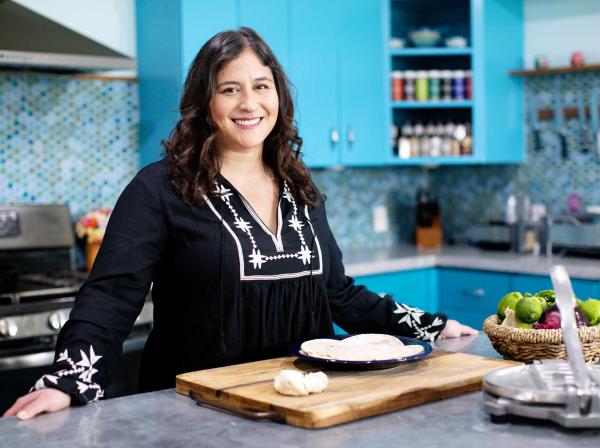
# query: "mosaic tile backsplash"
66,140
74,140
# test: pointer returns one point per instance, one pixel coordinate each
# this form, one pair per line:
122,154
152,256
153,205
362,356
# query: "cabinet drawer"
471,290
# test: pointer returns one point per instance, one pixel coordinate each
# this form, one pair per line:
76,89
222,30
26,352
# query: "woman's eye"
262,86
229,90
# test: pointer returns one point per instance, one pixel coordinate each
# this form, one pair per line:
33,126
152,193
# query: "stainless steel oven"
38,286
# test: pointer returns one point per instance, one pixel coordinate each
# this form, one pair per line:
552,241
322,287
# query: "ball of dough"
315,382
290,382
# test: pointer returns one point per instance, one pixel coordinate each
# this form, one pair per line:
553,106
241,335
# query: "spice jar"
468,84
422,86
397,85
409,85
446,76
434,85
458,85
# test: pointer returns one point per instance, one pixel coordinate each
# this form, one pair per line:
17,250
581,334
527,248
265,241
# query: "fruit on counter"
550,319
591,310
548,295
511,319
528,310
508,301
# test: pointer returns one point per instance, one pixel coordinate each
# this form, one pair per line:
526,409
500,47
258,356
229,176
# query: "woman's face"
245,104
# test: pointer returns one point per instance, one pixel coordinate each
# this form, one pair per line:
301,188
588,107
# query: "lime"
591,310
548,295
525,326
542,302
528,310
508,301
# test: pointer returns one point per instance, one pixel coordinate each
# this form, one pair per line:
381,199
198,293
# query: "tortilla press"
565,392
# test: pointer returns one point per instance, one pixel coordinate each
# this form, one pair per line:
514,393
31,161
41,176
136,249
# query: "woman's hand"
36,402
455,329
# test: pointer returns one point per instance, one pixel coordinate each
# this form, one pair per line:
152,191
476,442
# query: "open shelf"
431,104
556,70
431,51
448,160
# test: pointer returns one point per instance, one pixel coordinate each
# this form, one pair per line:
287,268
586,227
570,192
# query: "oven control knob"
8,328
56,320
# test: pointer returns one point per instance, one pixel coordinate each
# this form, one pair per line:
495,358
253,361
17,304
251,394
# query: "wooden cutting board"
247,389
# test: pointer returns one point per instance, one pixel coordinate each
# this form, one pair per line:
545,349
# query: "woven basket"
527,345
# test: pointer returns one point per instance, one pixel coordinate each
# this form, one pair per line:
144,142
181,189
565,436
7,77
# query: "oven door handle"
42,359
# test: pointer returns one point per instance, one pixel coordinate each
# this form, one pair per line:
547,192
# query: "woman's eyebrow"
262,78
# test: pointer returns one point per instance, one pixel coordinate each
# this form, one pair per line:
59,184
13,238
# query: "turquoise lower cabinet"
469,295
533,283
416,288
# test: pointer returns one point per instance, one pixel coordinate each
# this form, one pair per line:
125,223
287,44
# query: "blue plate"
294,349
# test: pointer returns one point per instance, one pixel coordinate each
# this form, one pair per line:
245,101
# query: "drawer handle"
479,292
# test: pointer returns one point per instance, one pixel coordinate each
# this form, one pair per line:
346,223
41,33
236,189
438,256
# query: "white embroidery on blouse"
412,317
258,259
83,369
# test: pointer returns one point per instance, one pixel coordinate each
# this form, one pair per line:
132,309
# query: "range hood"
31,41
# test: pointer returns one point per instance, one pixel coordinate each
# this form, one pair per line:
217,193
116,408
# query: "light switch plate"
380,219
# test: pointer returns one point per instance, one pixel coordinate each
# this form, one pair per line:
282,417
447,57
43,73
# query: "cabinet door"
415,288
534,283
365,122
313,70
269,18
471,296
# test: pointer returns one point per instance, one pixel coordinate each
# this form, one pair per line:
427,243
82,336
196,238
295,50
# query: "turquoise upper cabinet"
463,108
337,67
498,98
314,73
363,88
169,35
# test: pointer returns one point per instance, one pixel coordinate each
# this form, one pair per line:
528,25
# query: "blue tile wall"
65,139
73,140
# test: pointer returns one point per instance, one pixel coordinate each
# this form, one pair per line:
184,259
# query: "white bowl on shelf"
425,37
456,42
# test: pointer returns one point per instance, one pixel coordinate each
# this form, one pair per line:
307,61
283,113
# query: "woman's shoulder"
154,176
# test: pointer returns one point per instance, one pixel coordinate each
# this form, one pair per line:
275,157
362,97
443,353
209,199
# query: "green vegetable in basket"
548,295
542,302
528,310
525,326
508,301
591,310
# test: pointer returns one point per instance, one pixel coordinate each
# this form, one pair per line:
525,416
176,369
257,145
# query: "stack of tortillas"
362,347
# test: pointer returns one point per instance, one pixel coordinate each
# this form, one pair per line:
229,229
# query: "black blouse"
225,289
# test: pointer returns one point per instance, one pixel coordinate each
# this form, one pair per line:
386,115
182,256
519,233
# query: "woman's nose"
249,101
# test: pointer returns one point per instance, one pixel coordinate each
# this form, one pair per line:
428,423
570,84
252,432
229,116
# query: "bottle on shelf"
458,85
397,85
468,83
434,85
434,140
409,85
446,76
422,86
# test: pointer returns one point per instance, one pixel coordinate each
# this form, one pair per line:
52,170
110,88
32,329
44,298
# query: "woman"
233,236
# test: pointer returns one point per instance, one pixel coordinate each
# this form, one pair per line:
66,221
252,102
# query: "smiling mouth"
247,123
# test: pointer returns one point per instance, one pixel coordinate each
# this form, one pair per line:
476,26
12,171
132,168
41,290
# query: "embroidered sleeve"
417,323
76,376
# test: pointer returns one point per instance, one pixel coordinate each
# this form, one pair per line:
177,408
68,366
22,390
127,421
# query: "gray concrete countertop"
167,419
406,257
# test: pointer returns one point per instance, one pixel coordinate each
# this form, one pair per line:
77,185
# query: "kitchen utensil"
567,393
586,137
533,122
294,349
559,121
248,388
425,37
594,121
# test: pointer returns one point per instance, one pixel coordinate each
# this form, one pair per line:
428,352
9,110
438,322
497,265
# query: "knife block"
430,237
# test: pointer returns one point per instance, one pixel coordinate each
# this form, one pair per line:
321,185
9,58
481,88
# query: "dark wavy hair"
192,155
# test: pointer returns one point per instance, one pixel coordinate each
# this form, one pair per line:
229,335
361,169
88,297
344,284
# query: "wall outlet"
380,219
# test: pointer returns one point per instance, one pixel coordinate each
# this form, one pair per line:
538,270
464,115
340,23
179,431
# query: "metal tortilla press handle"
252,414
565,299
